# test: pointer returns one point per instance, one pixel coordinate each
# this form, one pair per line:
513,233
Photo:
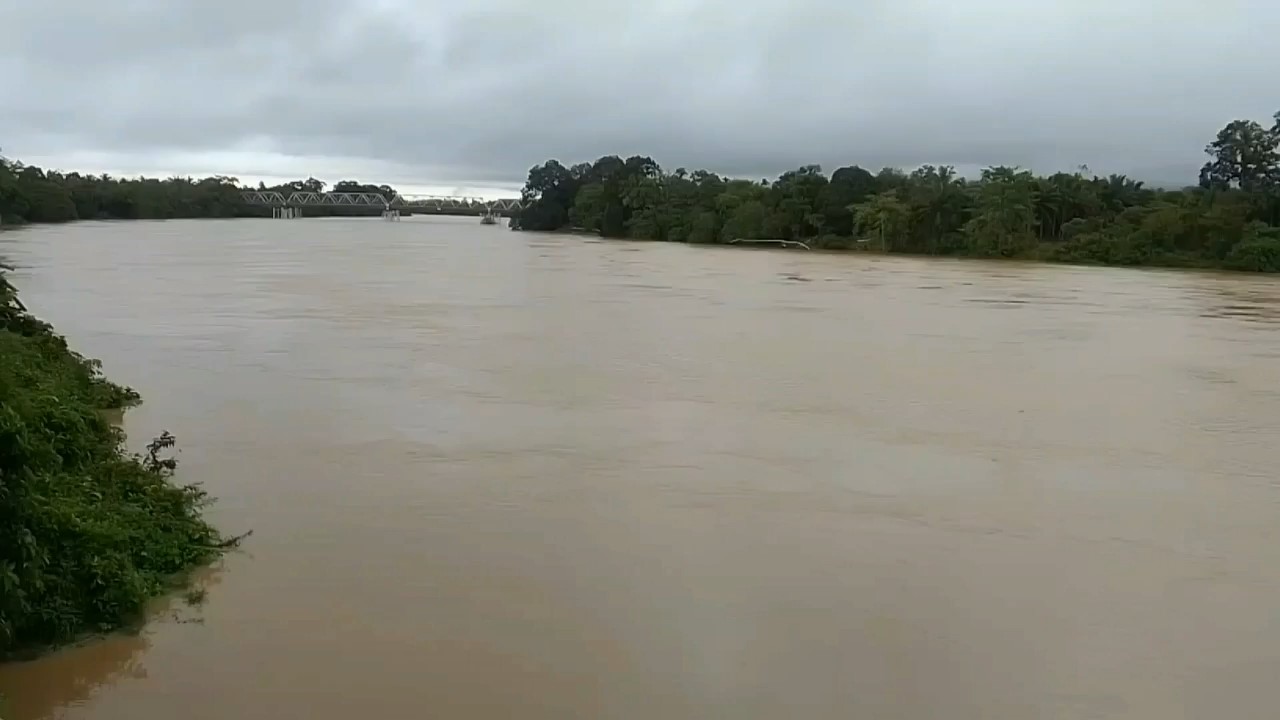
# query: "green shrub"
1258,251
88,533
1105,248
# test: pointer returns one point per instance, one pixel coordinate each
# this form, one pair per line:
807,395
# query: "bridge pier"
391,215
286,213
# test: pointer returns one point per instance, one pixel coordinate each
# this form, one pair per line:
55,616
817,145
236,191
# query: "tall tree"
1243,155
884,217
1004,217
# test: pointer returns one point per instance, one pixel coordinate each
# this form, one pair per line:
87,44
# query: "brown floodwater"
508,475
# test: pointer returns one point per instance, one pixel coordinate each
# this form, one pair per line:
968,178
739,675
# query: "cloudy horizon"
465,97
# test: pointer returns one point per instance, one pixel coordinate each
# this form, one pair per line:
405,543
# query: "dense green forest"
88,532
1230,219
32,194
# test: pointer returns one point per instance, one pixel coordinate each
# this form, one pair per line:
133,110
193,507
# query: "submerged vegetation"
1230,219
88,532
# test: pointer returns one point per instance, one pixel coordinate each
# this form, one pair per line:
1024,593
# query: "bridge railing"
275,198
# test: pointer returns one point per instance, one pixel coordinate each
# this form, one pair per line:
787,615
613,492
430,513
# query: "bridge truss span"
274,198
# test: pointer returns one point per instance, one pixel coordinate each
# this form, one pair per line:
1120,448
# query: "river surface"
509,475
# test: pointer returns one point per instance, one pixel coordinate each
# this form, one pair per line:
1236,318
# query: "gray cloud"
475,92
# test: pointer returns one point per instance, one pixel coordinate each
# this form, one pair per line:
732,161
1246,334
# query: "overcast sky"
468,94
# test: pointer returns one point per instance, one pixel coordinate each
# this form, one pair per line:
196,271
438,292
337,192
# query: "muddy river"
508,475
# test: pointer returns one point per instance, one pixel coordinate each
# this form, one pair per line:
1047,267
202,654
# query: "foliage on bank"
88,533
29,193
1231,219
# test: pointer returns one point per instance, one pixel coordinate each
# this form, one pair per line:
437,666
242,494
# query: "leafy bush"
88,533
1259,251
1105,248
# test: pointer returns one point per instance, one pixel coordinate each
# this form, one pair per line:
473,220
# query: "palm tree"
1006,215
883,215
938,198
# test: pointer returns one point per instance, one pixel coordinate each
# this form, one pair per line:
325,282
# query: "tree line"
1231,218
29,193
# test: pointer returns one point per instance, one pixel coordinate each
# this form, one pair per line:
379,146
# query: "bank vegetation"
1230,219
32,194
88,532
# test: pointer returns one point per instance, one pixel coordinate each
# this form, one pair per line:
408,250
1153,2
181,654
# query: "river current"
513,475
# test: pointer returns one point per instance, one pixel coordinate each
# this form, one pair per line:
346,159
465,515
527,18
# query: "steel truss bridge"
375,201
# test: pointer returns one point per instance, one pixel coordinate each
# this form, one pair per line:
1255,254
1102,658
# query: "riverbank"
1229,219
1062,254
1192,228
1049,254
88,532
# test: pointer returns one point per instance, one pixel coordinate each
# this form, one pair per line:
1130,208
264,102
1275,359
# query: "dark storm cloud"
478,91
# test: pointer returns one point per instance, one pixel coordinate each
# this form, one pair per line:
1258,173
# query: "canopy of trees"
1230,220
32,194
